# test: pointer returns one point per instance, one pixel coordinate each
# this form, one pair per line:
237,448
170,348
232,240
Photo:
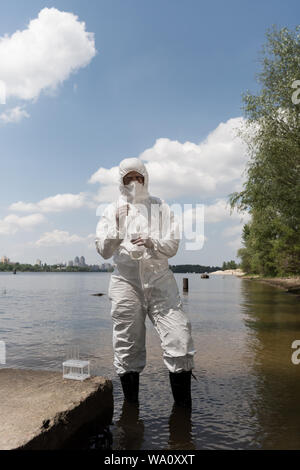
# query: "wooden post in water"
185,284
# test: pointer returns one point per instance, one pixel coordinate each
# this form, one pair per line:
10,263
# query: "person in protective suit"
140,232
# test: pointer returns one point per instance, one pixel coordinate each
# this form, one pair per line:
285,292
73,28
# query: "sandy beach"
231,272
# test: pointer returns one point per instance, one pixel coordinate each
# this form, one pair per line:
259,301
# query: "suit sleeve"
166,240
108,237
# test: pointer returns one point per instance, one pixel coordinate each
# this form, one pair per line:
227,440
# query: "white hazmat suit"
145,286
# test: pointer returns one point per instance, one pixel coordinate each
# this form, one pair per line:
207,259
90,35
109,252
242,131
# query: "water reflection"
180,428
247,392
129,432
272,319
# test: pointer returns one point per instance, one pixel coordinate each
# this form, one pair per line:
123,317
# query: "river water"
247,391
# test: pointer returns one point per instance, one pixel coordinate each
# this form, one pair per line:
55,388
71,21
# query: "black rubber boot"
130,385
181,388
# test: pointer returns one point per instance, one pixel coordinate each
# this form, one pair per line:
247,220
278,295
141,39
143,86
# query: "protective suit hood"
134,192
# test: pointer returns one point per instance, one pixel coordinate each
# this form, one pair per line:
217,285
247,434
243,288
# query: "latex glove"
147,242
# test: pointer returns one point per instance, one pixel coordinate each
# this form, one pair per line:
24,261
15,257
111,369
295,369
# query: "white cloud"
54,45
58,237
58,203
91,241
14,115
235,244
2,92
233,231
109,180
13,223
220,210
213,167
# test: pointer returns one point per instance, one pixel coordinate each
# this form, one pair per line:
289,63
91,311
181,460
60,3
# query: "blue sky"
163,69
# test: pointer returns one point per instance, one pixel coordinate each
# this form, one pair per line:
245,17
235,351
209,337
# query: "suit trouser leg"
171,323
129,332
174,330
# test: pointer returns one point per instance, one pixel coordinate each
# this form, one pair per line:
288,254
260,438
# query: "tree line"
181,268
230,265
271,192
45,268
193,268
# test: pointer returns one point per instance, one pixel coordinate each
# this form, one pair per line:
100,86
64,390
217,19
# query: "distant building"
106,267
5,260
70,263
79,261
95,267
38,262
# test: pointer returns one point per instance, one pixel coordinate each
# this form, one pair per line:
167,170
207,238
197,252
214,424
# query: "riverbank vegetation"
229,265
183,268
271,192
193,268
46,268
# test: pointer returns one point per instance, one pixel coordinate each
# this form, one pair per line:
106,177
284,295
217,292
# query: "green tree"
271,192
229,265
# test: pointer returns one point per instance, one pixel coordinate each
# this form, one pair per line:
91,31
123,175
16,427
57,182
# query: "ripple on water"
247,390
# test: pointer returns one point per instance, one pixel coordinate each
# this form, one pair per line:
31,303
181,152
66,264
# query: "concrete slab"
41,410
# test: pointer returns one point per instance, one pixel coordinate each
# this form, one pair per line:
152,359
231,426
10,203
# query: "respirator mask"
135,192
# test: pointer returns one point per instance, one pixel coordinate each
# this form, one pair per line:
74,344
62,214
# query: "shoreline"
288,284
